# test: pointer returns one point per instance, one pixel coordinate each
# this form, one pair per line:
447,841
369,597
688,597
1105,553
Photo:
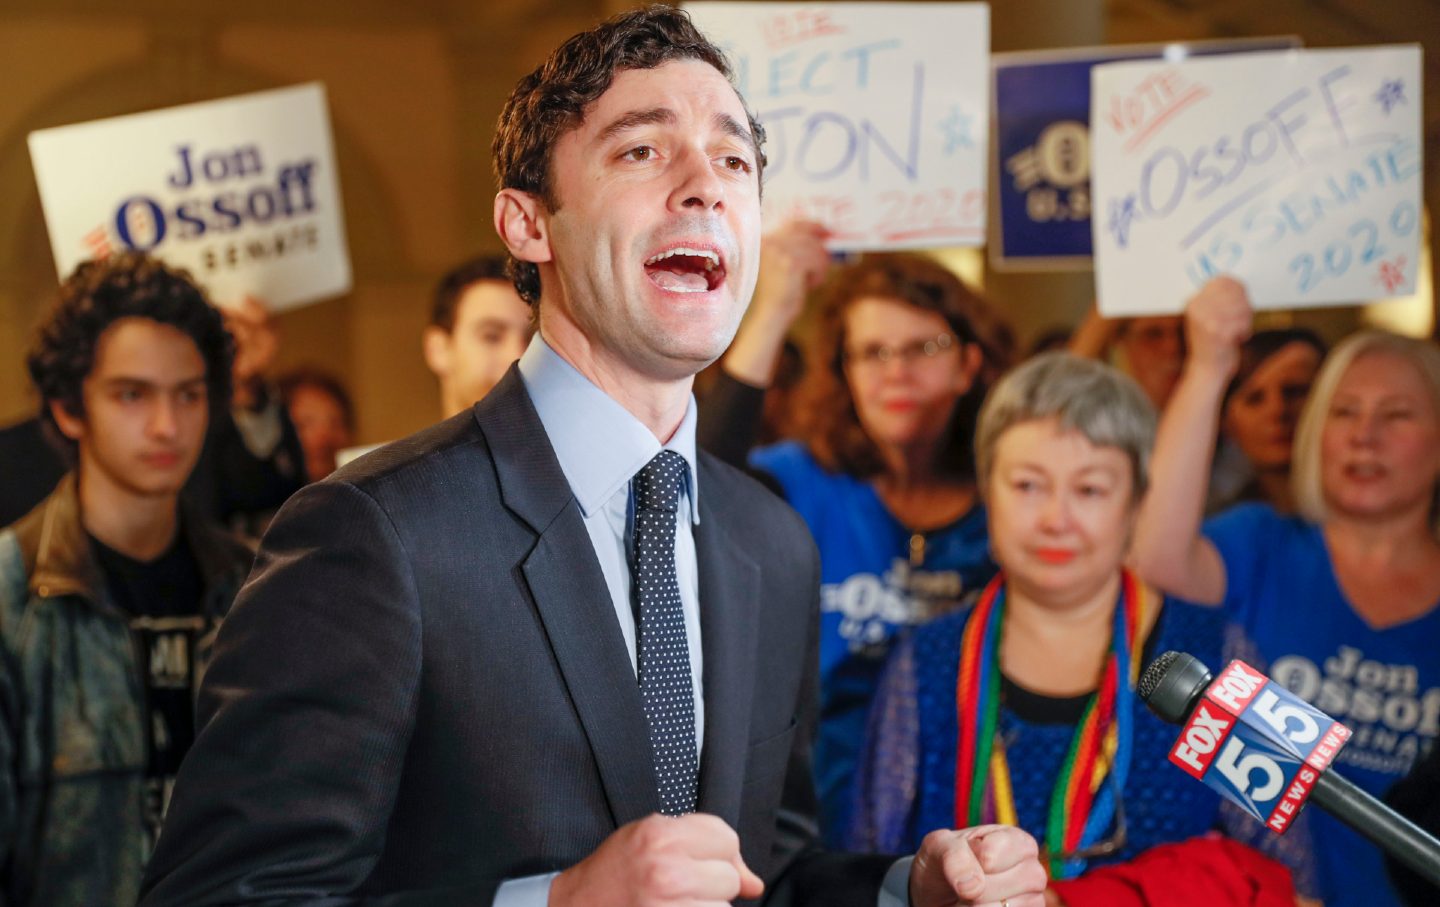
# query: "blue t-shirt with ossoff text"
876,578
1289,617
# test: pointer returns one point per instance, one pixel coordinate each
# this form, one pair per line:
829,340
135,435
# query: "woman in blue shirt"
1340,602
883,475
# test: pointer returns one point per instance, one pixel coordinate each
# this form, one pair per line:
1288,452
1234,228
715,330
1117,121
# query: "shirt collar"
599,443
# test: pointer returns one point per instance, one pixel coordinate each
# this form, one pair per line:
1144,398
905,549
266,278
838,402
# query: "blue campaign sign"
1042,140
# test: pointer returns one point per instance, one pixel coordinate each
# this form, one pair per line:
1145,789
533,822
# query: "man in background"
109,593
479,325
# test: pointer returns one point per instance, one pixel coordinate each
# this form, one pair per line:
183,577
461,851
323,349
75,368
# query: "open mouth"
686,269
1364,472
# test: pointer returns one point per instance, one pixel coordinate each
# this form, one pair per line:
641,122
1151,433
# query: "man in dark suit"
485,666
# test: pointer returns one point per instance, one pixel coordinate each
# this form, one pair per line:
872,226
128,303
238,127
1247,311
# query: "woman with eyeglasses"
883,475
1021,709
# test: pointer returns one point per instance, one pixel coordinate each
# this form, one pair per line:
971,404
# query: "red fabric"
1200,872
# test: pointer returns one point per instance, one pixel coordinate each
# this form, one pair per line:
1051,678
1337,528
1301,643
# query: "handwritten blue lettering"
1122,214
909,164
814,73
1391,93
1363,242
1177,188
1332,105
825,144
862,54
1300,130
1312,210
846,146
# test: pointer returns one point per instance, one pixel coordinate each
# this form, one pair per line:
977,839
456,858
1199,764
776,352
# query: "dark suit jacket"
423,691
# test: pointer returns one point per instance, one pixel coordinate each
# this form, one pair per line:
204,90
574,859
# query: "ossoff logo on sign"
265,196
242,192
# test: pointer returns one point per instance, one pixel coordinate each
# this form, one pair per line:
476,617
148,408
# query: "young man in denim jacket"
109,593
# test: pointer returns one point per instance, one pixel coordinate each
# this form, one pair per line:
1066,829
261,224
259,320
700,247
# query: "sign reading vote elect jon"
242,192
1298,172
876,115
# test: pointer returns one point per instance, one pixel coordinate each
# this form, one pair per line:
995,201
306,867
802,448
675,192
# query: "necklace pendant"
917,549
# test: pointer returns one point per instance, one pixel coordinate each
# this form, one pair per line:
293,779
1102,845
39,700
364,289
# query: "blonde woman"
1340,602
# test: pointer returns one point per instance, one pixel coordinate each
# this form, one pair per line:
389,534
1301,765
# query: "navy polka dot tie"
663,657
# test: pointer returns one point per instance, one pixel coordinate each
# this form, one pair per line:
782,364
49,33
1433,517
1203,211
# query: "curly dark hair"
99,293
829,424
553,99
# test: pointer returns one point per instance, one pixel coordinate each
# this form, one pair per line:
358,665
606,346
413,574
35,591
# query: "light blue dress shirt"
601,446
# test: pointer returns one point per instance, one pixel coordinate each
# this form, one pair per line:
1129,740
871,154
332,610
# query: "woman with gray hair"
1021,709
1340,602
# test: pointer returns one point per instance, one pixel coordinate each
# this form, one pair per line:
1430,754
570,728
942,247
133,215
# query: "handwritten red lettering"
802,25
1150,104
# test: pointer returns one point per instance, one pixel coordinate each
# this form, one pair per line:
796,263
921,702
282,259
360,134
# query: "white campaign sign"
242,192
877,115
1299,172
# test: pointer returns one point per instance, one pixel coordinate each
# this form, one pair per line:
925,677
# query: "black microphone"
1258,744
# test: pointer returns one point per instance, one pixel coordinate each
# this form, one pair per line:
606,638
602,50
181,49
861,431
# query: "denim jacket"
72,703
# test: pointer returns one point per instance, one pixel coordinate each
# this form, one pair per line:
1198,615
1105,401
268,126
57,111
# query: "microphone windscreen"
1172,683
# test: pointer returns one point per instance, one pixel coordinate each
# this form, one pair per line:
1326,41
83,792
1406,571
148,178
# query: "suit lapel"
729,610
573,601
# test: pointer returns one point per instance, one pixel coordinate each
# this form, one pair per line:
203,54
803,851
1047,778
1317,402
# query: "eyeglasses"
916,351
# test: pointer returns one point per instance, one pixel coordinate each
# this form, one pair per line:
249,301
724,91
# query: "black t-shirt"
163,599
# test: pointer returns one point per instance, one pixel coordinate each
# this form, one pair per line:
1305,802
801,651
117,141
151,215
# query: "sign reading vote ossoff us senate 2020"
242,192
876,115
1298,172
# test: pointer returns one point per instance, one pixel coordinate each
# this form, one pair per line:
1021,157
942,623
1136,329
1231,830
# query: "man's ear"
520,221
70,425
436,345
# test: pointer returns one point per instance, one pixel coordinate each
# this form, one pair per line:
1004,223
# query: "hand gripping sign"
1258,745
